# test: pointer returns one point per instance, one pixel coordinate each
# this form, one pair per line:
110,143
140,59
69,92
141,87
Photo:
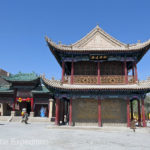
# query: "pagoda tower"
96,88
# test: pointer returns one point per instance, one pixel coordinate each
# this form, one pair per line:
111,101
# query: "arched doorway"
135,110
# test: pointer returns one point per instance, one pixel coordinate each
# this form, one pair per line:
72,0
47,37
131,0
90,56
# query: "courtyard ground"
43,136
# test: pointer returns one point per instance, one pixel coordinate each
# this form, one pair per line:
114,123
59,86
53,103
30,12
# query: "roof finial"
97,26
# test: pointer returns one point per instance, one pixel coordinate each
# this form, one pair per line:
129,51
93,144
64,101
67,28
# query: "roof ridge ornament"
97,26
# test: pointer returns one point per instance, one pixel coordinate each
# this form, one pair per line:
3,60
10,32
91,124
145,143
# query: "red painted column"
63,71
57,112
139,113
32,104
98,73
126,72
70,112
63,111
143,114
133,69
128,113
131,106
72,71
99,113
15,93
136,76
14,104
48,108
66,108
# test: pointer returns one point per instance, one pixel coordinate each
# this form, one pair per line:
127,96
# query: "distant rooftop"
25,77
3,73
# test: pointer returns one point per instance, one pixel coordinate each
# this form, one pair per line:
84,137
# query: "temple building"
99,81
23,90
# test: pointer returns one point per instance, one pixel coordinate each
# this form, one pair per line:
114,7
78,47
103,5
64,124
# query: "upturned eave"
55,84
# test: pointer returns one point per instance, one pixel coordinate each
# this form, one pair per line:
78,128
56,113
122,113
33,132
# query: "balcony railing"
104,79
131,80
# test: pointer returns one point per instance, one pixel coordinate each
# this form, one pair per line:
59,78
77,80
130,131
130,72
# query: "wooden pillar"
143,114
126,72
131,106
63,71
99,113
139,113
132,69
15,93
70,112
50,108
128,113
98,73
136,76
14,104
63,111
32,104
72,71
66,107
57,117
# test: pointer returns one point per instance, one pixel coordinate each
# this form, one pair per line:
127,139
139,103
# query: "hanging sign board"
98,57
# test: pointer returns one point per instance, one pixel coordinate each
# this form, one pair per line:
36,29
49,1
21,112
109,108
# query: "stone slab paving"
46,136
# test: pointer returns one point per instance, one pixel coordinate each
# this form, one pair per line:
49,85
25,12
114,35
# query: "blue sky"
24,24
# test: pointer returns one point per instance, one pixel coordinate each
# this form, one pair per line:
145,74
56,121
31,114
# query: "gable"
97,41
97,38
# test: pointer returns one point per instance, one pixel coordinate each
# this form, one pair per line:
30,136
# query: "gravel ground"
43,136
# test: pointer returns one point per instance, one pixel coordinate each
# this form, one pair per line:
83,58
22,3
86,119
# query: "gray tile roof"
98,40
142,85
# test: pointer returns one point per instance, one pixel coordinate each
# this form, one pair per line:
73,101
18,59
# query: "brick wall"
85,111
114,111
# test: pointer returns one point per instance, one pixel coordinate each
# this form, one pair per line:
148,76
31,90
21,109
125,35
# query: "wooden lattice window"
112,68
85,68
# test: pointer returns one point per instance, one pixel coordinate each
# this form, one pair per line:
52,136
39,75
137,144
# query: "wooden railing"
104,79
131,80
112,79
85,79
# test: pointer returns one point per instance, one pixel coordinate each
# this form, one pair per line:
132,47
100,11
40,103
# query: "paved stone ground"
43,136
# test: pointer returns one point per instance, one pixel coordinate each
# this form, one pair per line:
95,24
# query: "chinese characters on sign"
98,57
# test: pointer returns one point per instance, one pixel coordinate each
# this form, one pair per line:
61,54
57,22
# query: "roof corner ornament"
46,38
44,75
138,82
127,46
61,83
59,42
148,79
53,78
139,41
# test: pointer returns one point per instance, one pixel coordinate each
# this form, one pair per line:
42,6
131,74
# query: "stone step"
16,119
5,118
39,119
19,118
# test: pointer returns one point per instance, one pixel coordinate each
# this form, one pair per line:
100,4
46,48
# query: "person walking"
133,124
24,116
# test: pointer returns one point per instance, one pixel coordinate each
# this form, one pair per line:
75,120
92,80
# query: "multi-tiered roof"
98,42
22,80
